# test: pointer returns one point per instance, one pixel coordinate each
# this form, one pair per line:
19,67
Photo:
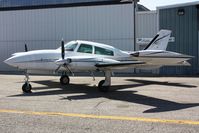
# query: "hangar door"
198,43
198,35
198,48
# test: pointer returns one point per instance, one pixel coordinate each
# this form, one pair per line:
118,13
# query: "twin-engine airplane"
91,56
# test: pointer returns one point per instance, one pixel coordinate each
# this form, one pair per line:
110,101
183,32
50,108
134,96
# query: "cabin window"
102,51
84,48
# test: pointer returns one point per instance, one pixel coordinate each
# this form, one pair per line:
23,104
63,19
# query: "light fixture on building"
181,12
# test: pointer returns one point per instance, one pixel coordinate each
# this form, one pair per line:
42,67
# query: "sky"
152,4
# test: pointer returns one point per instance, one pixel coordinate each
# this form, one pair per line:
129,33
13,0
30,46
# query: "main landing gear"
64,80
26,88
104,85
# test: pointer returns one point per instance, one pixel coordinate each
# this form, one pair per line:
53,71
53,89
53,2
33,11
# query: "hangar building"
183,20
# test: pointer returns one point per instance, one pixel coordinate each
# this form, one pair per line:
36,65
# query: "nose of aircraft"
10,61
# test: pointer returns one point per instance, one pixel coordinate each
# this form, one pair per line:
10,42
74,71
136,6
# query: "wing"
119,65
100,63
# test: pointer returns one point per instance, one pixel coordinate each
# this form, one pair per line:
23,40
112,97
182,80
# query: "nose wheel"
26,88
64,80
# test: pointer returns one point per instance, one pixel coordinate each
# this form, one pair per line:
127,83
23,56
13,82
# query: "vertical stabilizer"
160,41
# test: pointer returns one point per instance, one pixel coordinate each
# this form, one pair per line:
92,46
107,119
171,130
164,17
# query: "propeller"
63,62
62,49
26,48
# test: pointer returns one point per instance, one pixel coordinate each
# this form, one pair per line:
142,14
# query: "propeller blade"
26,48
58,68
62,50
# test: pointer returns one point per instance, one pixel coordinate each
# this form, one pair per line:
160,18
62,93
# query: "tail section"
160,41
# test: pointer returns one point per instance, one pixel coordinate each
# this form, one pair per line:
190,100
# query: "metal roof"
7,5
20,3
179,5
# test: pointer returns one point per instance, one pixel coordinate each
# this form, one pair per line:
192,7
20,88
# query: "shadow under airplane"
91,92
150,82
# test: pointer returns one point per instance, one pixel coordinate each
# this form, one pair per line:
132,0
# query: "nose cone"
10,61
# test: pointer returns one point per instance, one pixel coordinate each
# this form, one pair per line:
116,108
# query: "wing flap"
119,64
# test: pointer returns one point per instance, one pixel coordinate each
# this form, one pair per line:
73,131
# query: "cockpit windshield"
70,46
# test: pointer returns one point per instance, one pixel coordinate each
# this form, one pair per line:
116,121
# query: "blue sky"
152,4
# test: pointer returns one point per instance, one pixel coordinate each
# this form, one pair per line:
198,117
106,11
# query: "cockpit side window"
102,51
70,46
84,48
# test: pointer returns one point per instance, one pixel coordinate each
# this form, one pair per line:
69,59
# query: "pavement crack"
98,104
151,129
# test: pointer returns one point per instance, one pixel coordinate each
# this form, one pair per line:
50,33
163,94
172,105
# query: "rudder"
160,41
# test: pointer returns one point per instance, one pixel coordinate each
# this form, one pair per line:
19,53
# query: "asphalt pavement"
133,104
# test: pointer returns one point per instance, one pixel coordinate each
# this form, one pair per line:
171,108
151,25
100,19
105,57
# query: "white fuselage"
47,59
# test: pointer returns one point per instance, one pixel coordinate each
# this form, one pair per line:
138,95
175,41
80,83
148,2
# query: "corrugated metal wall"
44,28
185,32
146,25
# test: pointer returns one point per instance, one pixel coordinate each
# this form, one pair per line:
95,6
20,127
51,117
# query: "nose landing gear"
26,88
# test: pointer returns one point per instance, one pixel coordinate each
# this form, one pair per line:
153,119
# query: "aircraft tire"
64,80
26,88
103,88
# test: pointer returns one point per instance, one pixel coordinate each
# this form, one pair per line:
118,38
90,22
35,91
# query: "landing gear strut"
26,88
104,85
64,80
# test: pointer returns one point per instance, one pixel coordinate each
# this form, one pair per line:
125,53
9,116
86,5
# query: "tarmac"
134,104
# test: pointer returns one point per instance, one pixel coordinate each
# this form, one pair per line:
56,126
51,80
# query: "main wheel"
64,80
103,88
27,88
